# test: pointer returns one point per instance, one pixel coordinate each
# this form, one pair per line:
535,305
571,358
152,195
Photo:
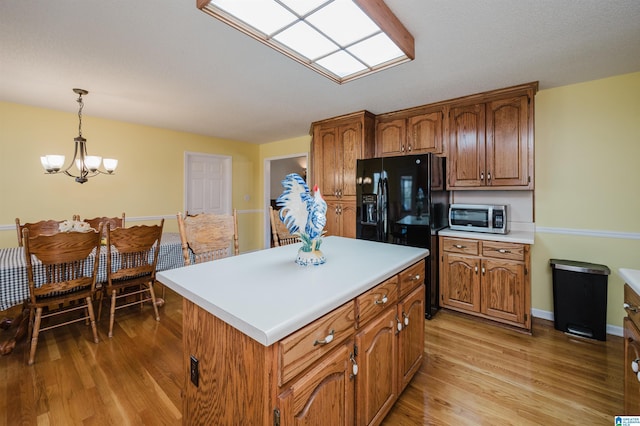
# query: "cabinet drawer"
500,250
633,300
410,278
457,245
376,300
301,349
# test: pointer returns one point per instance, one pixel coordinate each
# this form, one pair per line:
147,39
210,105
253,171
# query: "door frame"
267,191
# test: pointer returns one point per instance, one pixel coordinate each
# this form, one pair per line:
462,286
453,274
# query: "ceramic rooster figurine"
303,214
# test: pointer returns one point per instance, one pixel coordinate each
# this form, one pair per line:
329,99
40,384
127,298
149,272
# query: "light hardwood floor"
474,374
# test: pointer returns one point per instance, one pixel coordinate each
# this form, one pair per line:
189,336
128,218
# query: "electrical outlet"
195,372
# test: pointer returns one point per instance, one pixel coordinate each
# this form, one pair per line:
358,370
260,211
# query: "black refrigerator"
403,200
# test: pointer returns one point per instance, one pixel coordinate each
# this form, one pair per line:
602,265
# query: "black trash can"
580,298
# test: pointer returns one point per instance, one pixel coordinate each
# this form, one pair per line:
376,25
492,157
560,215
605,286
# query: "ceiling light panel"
340,39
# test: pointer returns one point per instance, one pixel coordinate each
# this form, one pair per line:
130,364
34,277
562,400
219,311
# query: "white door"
207,183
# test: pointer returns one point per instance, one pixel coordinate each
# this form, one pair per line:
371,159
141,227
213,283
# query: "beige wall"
587,198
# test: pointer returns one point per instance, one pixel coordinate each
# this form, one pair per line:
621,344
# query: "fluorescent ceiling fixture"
340,39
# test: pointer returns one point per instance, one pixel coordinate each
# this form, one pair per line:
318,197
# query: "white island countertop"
631,277
267,296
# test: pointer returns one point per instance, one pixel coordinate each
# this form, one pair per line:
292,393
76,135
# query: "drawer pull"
326,340
504,251
628,307
459,246
398,324
476,269
416,277
382,301
634,365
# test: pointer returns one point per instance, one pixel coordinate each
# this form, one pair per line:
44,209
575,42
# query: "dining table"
14,283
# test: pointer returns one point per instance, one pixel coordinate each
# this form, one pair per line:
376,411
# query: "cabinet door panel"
333,218
507,142
350,137
411,337
503,283
328,152
348,219
390,137
467,149
424,133
377,381
461,282
325,395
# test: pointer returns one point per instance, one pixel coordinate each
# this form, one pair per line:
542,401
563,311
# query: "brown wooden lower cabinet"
485,278
632,352
346,368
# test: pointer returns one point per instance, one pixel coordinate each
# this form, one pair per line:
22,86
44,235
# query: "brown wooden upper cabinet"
491,140
416,131
337,144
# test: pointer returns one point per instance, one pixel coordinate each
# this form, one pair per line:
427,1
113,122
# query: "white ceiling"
164,63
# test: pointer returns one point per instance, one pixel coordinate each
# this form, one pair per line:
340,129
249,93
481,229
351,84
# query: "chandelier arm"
73,162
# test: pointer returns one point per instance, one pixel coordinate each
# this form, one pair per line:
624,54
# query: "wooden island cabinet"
274,351
631,329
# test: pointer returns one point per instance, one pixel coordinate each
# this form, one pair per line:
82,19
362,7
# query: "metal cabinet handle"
406,319
409,148
489,176
476,269
398,324
504,251
627,307
382,301
416,277
326,340
459,246
483,270
402,148
481,175
354,365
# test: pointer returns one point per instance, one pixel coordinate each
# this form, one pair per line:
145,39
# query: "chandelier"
87,165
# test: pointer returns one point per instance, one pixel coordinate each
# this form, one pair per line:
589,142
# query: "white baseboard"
614,330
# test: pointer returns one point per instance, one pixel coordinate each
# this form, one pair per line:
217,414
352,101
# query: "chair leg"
100,294
112,312
34,337
92,318
153,301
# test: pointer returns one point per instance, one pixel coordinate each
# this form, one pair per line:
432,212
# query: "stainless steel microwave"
479,218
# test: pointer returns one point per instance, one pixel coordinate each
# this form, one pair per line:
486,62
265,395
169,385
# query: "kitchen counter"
631,277
266,295
514,236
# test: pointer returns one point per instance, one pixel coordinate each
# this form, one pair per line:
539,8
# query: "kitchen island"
267,341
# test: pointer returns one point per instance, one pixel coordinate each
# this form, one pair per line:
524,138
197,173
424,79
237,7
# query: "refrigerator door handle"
385,206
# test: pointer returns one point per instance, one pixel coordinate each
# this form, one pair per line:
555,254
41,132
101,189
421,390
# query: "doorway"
275,170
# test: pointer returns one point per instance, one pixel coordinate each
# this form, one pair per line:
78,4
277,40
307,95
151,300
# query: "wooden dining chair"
115,222
132,257
208,236
62,269
43,227
279,232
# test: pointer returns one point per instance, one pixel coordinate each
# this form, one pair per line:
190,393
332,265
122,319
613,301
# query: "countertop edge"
522,237
631,277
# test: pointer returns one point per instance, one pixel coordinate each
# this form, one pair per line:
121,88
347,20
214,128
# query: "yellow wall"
148,182
587,141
